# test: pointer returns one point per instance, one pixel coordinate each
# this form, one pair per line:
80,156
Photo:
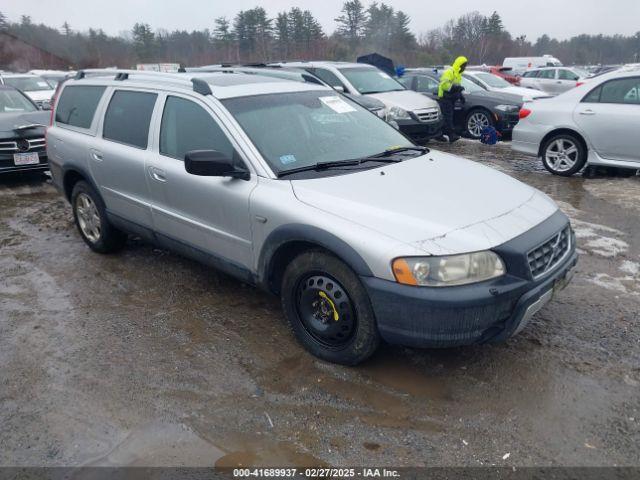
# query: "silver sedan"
596,123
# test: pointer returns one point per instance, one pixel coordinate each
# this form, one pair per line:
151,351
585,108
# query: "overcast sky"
557,18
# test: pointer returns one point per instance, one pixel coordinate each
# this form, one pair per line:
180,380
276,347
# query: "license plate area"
27,158
561,283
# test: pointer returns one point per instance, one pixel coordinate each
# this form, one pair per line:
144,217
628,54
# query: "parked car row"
22,132
364,235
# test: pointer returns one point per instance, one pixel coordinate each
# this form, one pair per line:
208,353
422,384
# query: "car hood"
9,122
436,203
527,93
39,95
405,99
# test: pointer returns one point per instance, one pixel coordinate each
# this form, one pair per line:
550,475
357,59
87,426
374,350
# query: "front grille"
547,256
32,144
428,115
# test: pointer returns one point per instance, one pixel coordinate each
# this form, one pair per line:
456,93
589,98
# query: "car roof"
312,63
16,75
221,85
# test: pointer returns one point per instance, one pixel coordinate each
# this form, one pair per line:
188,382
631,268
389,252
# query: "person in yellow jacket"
450,90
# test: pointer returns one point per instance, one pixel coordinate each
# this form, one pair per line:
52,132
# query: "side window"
78,104
128,116
426,84
622,90
567,75
328,77
406,81
547,74
593,96
187,126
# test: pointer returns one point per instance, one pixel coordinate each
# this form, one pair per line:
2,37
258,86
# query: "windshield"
470,87
371,80
493,80
306,128
12,101
28,84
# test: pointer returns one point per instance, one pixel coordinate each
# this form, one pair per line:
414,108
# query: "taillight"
579,83
524,113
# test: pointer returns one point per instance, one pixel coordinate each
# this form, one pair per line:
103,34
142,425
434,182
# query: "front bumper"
419,131
506,122
487,312
7,164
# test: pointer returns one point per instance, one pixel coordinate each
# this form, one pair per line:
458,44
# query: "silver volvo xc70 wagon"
294,188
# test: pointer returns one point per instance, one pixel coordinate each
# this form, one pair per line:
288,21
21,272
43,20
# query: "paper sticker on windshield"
337,104
43,84
287,159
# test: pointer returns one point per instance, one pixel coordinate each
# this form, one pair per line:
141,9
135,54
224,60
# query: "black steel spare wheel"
325,310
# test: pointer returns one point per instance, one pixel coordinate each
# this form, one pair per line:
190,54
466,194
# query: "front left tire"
328,309
477,120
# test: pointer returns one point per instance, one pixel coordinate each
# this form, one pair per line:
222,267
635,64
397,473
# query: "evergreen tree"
66,29
143,41
352,22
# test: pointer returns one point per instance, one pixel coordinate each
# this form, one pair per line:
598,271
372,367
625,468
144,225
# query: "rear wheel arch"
73,175
289,241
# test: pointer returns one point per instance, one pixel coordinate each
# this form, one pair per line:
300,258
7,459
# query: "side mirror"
211,163
46,105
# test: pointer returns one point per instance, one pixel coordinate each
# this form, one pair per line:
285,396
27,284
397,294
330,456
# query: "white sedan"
596,123
494,83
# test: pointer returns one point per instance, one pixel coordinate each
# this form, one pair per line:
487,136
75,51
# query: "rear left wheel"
90,216
328,309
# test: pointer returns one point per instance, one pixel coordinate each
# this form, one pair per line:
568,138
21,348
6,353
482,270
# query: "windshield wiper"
378,157
339,163
393,151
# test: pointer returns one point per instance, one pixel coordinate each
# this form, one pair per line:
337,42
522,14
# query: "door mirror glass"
211,163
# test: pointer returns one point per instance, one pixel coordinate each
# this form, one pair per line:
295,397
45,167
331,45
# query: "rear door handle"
587,112
157,174
96,154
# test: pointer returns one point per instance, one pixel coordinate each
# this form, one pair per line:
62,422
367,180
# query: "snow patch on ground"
630,268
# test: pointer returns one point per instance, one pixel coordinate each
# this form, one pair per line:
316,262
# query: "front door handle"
96,154
157,174
587,112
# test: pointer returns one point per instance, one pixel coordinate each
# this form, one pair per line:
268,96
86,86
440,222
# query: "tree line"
252,36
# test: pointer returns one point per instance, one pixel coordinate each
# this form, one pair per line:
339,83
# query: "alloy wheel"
562,154
477,122
88,217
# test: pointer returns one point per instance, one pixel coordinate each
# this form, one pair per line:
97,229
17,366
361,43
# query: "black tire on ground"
344,294
473,117
103,237
556,159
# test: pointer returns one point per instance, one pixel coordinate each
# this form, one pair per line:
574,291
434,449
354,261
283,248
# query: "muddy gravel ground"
146,358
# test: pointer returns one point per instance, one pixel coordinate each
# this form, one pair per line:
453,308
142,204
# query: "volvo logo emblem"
554,251
23,145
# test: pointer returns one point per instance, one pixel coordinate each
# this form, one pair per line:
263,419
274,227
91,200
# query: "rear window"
128,116
78,104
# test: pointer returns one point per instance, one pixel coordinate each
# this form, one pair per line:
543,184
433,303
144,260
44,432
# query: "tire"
328,309
90,217
476,121
564,154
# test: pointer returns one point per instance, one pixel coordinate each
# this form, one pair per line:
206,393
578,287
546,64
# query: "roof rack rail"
198,85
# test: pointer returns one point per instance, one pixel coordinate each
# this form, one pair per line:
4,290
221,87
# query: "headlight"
397,113
448,270
508,108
